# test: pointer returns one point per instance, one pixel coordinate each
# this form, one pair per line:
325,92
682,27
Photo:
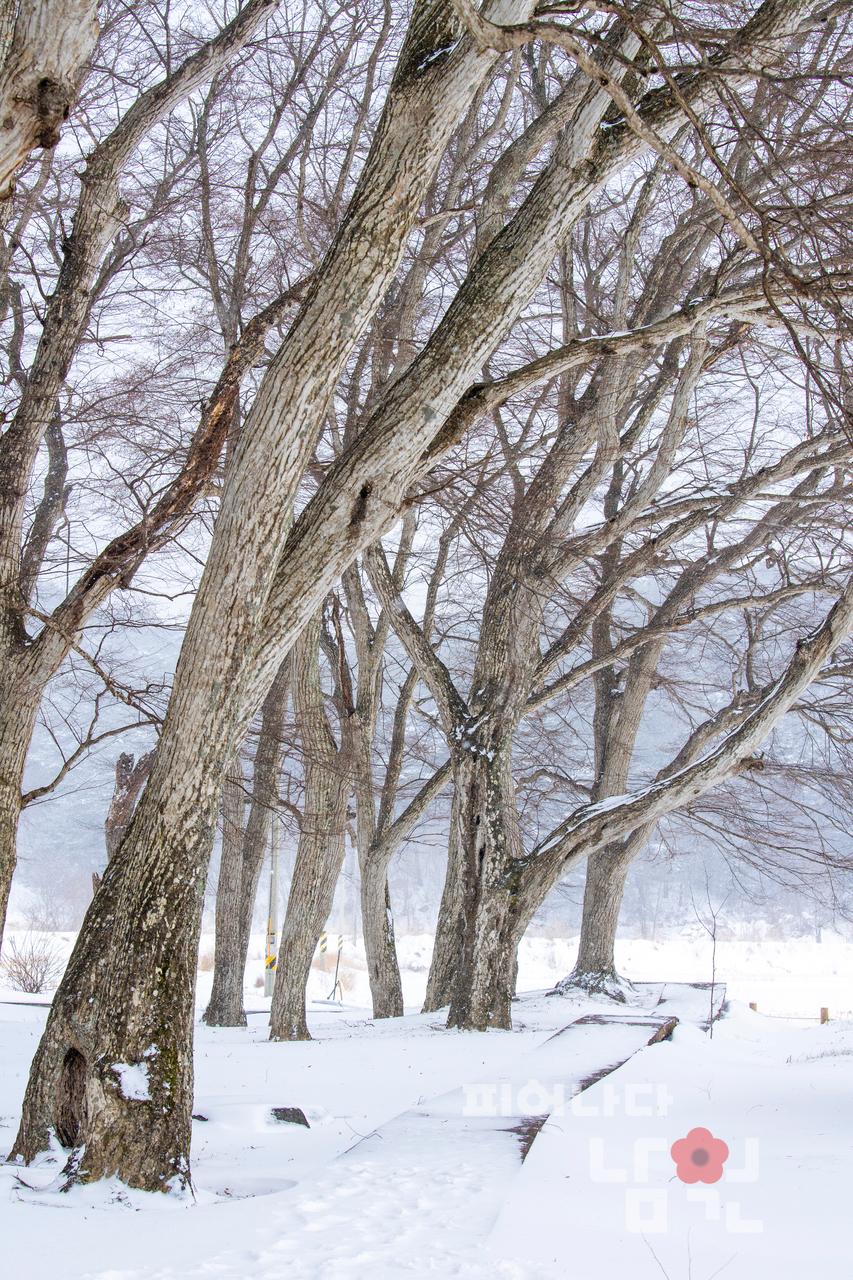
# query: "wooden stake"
824,1016
753,1007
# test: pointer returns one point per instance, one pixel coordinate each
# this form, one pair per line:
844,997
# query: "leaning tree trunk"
320,853
377,922
241,868
129,990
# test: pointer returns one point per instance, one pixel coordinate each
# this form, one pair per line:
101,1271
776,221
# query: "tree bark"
225,1007
44,46
241,868
17,719
450,926
377,922
595,967
490,841
320,853
11,773
126,1001
131,776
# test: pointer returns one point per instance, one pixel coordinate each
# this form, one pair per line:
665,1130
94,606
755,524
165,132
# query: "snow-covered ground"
598,1195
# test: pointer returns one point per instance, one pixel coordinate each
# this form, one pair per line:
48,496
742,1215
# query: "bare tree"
100,241
263,581
322,831
244,846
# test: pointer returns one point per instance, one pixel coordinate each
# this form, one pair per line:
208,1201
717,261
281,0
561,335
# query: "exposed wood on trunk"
130,777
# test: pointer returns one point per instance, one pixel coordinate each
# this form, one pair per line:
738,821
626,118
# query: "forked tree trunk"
320,853
241,866
377,923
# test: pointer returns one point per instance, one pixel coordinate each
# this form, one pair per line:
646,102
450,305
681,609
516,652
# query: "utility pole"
272,912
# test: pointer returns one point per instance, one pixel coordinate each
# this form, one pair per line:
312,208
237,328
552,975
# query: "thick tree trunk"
595,968
241,868
377,923
485,985
320,854
113,1074
489,844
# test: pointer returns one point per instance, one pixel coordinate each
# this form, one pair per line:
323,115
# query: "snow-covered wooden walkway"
454,1157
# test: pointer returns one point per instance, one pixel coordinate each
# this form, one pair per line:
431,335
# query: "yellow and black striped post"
272,929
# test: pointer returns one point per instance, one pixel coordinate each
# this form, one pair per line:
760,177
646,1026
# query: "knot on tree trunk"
53,104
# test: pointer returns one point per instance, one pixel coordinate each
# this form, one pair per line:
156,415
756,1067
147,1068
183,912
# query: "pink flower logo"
699,1157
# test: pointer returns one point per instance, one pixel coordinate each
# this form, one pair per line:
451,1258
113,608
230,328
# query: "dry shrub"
205,962
33,965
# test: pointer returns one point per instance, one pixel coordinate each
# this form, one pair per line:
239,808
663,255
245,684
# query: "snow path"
440,1172
382,1185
